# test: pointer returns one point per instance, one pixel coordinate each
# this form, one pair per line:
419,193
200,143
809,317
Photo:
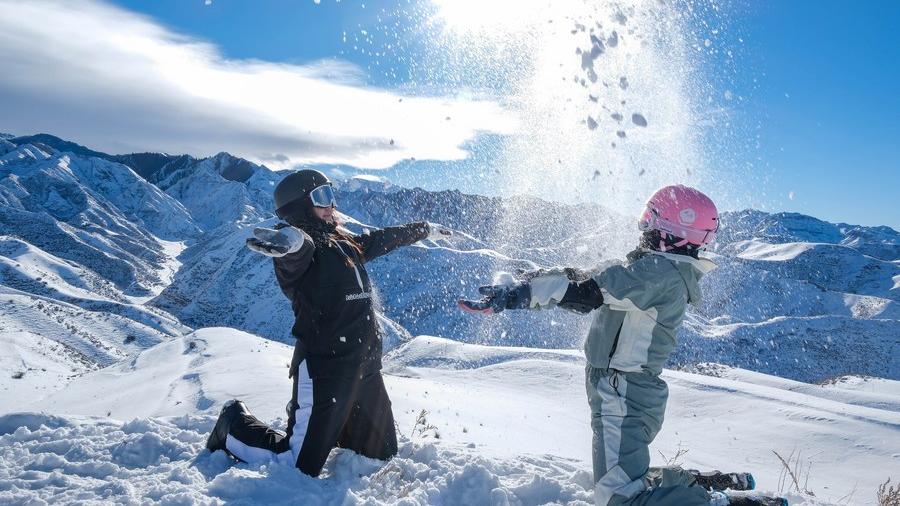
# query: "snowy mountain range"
107,262
793,295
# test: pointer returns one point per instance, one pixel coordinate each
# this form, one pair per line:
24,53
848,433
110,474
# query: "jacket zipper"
614,346
355,270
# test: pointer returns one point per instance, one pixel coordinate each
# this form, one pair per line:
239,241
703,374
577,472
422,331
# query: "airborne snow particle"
623,83
591,123
728,95
613,40
597,47
791,195
639,119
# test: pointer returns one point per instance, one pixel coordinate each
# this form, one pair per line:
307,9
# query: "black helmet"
291,191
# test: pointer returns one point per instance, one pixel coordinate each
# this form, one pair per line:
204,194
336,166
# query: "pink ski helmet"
683,212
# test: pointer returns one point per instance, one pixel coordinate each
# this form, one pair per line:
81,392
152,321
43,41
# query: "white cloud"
119,82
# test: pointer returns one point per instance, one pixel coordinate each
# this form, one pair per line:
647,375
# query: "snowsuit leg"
370,431
352,413
254,442
627,411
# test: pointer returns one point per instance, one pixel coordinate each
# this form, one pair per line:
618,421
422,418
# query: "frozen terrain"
504,426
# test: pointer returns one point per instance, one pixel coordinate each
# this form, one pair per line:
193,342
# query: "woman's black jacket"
331,296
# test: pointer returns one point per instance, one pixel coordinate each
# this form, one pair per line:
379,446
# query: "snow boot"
231,411
716,480
741,498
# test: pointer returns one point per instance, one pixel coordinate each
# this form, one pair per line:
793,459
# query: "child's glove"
510,294
275,243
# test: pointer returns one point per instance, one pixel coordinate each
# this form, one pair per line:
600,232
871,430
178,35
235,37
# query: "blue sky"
825,101
827,98
814,128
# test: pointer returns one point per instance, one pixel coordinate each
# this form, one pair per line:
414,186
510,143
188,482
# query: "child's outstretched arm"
546,290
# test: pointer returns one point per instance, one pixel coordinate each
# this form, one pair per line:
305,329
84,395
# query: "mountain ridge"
773,266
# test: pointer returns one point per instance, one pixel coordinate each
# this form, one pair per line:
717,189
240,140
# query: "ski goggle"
323,196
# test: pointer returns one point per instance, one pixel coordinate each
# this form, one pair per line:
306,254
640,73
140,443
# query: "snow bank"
439,352
52,459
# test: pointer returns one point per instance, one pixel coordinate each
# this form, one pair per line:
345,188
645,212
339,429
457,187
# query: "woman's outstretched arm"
382,241
290,248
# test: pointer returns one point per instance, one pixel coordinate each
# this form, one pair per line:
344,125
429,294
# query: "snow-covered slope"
96,213
508,424
45,343
777,228
84,242
213,199
214,191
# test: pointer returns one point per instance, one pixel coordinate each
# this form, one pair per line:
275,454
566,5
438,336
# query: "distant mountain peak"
233,168
28,151
58,144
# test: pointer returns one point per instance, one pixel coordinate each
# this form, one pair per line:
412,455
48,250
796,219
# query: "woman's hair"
655,240
304,217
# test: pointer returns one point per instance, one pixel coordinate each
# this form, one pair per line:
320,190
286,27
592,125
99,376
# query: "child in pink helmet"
637,307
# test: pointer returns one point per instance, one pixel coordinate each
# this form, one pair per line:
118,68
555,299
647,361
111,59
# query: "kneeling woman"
320,268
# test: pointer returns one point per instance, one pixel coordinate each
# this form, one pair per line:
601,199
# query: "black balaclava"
652,239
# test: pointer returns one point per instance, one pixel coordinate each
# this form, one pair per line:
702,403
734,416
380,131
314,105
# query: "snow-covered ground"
505,426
